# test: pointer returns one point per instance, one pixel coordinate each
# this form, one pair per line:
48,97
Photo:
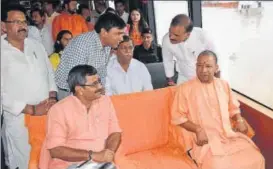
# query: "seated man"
125,74
148,51
82,126
205,106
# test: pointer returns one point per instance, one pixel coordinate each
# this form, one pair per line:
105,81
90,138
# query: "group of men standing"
203,104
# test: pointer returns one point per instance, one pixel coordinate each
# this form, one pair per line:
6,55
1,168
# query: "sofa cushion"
160,158
144,119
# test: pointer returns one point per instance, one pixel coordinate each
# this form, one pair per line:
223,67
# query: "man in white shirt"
42,30
126,74
183,43
28,85
49,7
100,9
120,9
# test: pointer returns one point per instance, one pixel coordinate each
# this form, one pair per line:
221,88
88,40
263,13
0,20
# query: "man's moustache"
72,11
22,30
99,90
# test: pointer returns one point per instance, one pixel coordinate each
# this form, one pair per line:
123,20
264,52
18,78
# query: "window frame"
195,13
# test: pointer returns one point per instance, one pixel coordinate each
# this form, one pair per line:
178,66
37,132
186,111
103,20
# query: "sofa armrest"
179,137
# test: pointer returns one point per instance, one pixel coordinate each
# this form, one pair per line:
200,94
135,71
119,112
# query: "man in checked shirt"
91,48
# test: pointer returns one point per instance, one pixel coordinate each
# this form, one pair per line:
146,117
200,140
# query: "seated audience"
205,106
136,25
63,38
28,85
148,51
50,8
69,20
92,48
125,74
83,126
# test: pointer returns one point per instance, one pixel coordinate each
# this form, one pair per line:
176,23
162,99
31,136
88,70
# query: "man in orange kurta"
81,127
205,107
69,20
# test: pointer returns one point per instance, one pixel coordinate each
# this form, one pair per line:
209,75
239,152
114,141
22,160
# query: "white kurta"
185,54
27,79
44,36
136,79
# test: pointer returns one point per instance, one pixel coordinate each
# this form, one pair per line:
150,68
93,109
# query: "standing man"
28,85
69,20
92,48
183,43
120,9
50,9
85,12
100,9
42,30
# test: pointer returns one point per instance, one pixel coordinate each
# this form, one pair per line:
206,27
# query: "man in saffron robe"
204,106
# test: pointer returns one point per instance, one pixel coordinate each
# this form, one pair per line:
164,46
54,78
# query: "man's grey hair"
182,20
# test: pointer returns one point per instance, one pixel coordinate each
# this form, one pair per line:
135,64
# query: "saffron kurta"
211,106
70,125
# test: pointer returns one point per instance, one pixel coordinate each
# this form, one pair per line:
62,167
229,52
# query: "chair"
158,74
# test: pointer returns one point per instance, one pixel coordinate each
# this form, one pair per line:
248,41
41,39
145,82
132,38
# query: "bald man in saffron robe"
205,107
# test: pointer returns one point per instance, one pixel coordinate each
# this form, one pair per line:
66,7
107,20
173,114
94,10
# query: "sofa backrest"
157,74
144,118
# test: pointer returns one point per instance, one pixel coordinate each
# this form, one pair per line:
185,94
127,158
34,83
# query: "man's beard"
71,12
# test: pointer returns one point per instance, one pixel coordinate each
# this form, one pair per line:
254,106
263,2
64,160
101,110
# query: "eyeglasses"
17,22
94,84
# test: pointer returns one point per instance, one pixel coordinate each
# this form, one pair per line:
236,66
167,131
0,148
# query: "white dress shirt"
136,79
185,53
125,17
27,79
44,36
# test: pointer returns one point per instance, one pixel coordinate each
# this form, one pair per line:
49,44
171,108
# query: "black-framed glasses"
17,22
94,84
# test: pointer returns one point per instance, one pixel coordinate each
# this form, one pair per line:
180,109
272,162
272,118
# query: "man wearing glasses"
28,84
82,127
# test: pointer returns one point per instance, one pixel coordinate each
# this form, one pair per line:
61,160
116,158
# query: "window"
164,12
243,34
